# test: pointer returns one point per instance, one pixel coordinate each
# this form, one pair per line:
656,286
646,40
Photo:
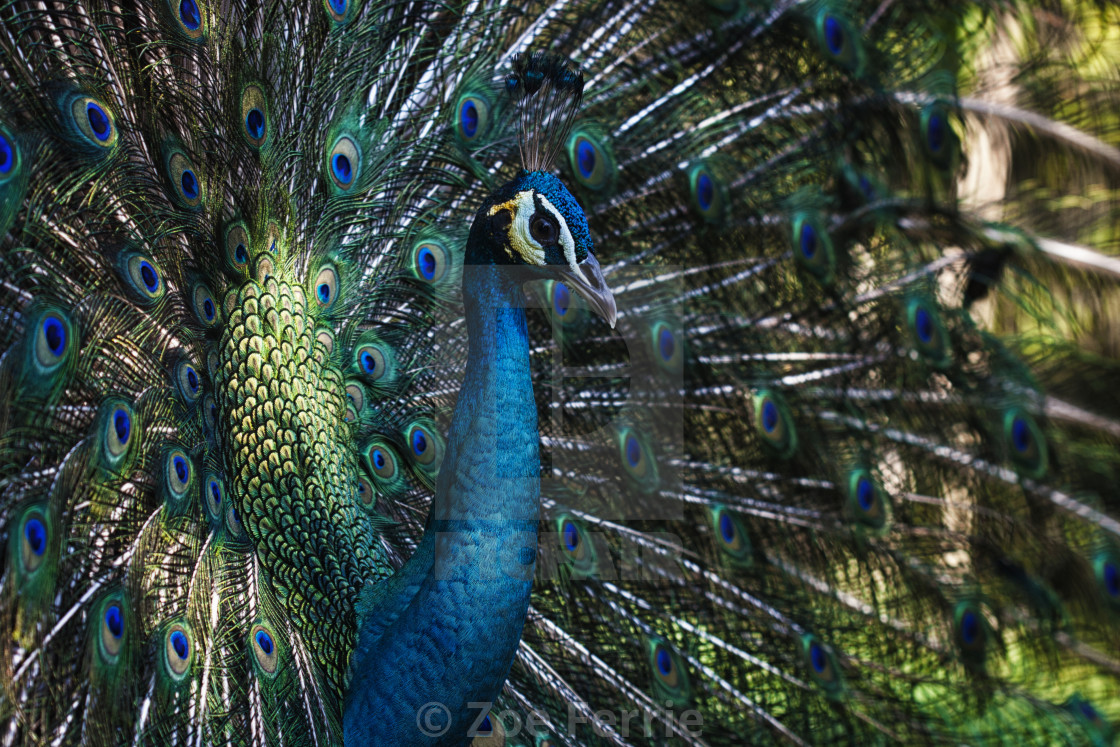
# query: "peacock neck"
445,628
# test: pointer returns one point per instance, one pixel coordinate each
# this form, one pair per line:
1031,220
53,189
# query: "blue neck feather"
444,629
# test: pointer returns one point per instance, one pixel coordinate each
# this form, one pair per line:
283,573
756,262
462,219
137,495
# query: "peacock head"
535,225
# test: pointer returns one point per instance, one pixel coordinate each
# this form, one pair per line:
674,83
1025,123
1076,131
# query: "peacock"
578,372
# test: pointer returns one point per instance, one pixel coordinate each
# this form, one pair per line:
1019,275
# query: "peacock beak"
587,279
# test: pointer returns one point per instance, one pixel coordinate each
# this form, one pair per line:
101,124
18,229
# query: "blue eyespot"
241,254
149,276
865,493
923,323
817,657
705,191
324,293
585,158
666,344
339,7
98,121
419,442
561,299
426,262
935,132
182,469
264,641
55,334
727,528
1111,576
369,363
122,424
834,35
264,649
192,379
571,536
254,124
1020,435
190,185
664,661
633,450
769,416
378,459
808,241
114,621
36,534
468,118
970,627
7,155
189,15
485,728
208,309
179,643
342,169
216,492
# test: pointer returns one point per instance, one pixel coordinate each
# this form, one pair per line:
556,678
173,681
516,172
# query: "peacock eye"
544,229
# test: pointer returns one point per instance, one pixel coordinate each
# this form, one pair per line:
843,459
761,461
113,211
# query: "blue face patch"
551,188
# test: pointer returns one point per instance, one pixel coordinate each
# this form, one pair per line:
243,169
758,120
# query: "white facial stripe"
520,241
566,240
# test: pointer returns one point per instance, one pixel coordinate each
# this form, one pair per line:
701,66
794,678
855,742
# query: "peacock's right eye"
544,229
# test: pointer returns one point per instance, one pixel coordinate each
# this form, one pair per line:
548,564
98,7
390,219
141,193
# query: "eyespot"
382,461
144,278
326,287
667,348
637,460
237,247
209,414
9,157
254,115
177,650
937,135
233,521
820,661
867,504
185,185
205,307
371,361
591,163
366,495
265,653
337,9
52,340
576,547
356,398
34,538
708,193
812,247
188,381
421,445
670,676
112,625
731,536
971,632
838,41
544,229
213,494
774,424
1027,444
927,332
178,474
274,237
473,118
382,464
344,163
94,122
1106,568
430,261
118,432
